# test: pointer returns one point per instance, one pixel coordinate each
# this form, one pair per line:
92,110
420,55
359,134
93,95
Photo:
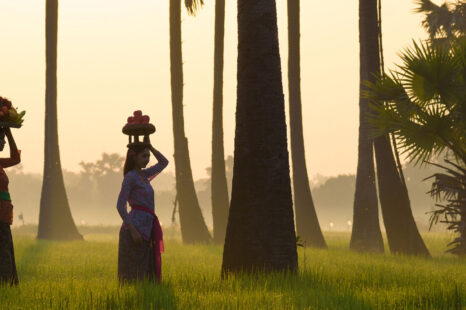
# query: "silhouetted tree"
55,220
366,234
105,174
260,232
428,119
193,227
402,233
445,22
220,200
307,224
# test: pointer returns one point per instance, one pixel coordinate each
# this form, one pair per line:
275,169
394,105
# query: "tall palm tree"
260,232
55,220
402,233
429,119
193,227
307,224
426,119
366,234
220,200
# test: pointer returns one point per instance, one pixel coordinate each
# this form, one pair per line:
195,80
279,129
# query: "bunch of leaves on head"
445,22
423,104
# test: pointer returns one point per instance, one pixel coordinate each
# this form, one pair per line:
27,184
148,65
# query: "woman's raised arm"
15,157
162,163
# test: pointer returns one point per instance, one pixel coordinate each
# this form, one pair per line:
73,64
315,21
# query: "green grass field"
82,275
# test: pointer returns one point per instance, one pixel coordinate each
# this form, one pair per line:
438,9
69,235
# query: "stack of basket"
138,125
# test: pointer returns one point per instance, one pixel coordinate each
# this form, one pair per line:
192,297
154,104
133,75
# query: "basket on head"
138,125
9,116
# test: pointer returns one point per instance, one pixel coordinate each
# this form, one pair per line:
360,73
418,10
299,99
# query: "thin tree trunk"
307,224
366,235
260,232
402,233
220,200
55,220
193,227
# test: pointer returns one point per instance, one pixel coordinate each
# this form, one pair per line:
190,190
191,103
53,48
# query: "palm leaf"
426,6
438,20
193,6
430,72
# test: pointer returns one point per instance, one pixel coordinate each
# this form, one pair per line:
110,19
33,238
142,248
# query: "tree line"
91,194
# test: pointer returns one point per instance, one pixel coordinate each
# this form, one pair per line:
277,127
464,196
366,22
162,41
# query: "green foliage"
82,275
424,102
450,187
299,242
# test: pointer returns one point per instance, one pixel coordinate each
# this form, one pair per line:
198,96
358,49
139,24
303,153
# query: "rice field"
82,275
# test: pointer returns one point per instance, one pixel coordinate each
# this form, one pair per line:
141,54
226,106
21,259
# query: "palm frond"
439,21
430,72
193,6
426,6
459,18
450,186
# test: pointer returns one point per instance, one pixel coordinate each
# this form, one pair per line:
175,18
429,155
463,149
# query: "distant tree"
219,187
55,220
445,22
307,224
260,232
193,227
106,173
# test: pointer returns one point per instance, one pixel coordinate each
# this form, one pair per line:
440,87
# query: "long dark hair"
131,154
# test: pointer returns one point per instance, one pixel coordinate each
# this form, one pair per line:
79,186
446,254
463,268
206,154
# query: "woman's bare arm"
14,158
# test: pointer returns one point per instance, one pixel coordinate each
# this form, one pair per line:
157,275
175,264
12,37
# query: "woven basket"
135,130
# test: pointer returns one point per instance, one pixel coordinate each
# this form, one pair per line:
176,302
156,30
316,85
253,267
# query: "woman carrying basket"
8,274
141,242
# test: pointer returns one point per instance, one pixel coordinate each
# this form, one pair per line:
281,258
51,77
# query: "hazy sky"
113,58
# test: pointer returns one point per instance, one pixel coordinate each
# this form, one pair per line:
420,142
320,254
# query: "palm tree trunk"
193,227
402,233
220,200
462,228
55,220
260,232
307,224
366,235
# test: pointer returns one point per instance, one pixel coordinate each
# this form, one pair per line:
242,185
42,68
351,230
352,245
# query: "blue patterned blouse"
137,191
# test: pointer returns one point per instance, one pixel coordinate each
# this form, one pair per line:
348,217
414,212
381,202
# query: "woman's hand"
135,234
151,147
